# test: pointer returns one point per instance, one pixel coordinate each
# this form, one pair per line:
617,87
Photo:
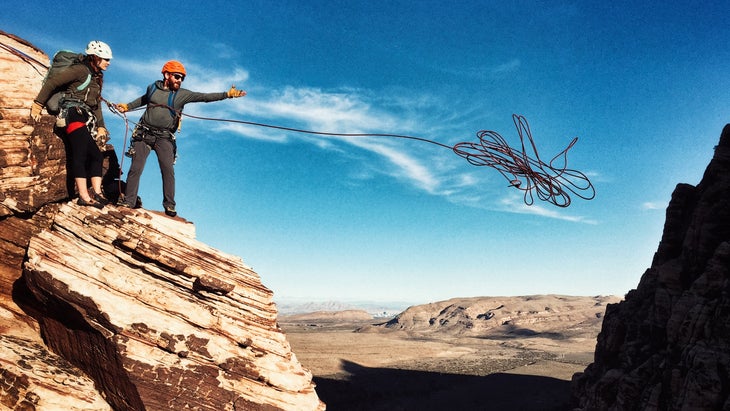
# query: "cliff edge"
120,309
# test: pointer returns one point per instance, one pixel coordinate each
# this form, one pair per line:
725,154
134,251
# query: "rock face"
567,316
32,159
120,309
667,345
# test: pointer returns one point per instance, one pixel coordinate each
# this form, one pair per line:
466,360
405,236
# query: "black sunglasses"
178,76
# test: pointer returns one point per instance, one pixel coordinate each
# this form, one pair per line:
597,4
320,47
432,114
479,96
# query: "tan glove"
35,111
234,93
121,107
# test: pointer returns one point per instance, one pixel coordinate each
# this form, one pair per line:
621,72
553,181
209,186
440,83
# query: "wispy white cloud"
406,166
224,51
506,67
481,73
654,205
516,204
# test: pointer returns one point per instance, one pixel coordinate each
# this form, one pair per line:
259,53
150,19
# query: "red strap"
74,126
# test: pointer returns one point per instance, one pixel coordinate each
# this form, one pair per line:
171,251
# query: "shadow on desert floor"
387,389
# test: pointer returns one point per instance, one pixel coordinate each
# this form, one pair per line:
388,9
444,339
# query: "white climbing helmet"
99,48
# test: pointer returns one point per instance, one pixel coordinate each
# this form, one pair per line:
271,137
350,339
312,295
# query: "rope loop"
547,181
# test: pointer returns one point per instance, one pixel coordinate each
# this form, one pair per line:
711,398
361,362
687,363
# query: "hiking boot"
92,203
99,197
169,210
121,203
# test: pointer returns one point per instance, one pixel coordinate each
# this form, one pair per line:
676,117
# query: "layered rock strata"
32,159
158,319
120,309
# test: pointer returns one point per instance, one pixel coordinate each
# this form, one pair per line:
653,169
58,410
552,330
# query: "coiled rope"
549,182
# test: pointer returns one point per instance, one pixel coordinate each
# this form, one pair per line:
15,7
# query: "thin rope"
25,57
114,110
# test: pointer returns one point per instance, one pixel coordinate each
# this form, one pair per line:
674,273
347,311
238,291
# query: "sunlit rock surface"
567,316
158,319
117,308
32,160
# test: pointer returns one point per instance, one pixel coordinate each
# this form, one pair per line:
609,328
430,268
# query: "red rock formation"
117,308
527,315
667,346
32,159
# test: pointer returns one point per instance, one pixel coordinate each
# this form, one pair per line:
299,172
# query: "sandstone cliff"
667,346
120,309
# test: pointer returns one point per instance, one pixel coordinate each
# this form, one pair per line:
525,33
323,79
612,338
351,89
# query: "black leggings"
85,157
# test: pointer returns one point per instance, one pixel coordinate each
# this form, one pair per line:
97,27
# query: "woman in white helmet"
80,118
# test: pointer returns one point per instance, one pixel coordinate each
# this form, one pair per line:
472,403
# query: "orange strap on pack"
74,126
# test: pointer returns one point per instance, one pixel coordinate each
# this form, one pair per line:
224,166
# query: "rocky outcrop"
32,159
521,316
667,345
120,309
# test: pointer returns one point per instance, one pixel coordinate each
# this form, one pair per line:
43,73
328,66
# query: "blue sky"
642,85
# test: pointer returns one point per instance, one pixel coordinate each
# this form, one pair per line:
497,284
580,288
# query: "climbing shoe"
100,198
92,203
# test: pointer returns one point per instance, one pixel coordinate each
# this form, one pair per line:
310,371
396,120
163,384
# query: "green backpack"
61,61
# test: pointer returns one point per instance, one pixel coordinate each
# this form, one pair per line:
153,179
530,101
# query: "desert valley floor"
358,365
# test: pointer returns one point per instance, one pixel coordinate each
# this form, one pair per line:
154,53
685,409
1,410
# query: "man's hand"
234,93
121,107
35,111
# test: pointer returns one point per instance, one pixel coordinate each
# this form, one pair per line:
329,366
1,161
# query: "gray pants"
165,150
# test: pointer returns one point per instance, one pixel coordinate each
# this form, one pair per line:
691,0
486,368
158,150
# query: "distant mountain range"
376,309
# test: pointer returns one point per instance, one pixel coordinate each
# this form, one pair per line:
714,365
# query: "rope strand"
114,110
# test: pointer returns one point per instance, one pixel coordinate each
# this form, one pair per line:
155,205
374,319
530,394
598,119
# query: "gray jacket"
157,115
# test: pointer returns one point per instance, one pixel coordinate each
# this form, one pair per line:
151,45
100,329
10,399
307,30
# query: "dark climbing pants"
84,157
164,147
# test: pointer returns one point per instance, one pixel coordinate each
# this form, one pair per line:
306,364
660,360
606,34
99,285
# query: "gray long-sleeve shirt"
157,115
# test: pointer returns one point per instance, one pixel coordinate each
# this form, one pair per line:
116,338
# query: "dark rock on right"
666,346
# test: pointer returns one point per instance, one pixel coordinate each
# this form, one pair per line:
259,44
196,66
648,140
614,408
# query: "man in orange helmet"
156,129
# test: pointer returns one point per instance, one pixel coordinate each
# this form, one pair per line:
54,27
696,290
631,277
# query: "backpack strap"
173,114
170,99
85,83
170,102
150,91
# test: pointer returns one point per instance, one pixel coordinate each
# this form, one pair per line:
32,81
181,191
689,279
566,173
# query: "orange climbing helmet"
173,66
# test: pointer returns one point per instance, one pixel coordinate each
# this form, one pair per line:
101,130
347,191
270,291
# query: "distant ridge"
375,309
520,316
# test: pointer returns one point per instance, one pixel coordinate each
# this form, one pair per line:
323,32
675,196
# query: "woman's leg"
79,139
